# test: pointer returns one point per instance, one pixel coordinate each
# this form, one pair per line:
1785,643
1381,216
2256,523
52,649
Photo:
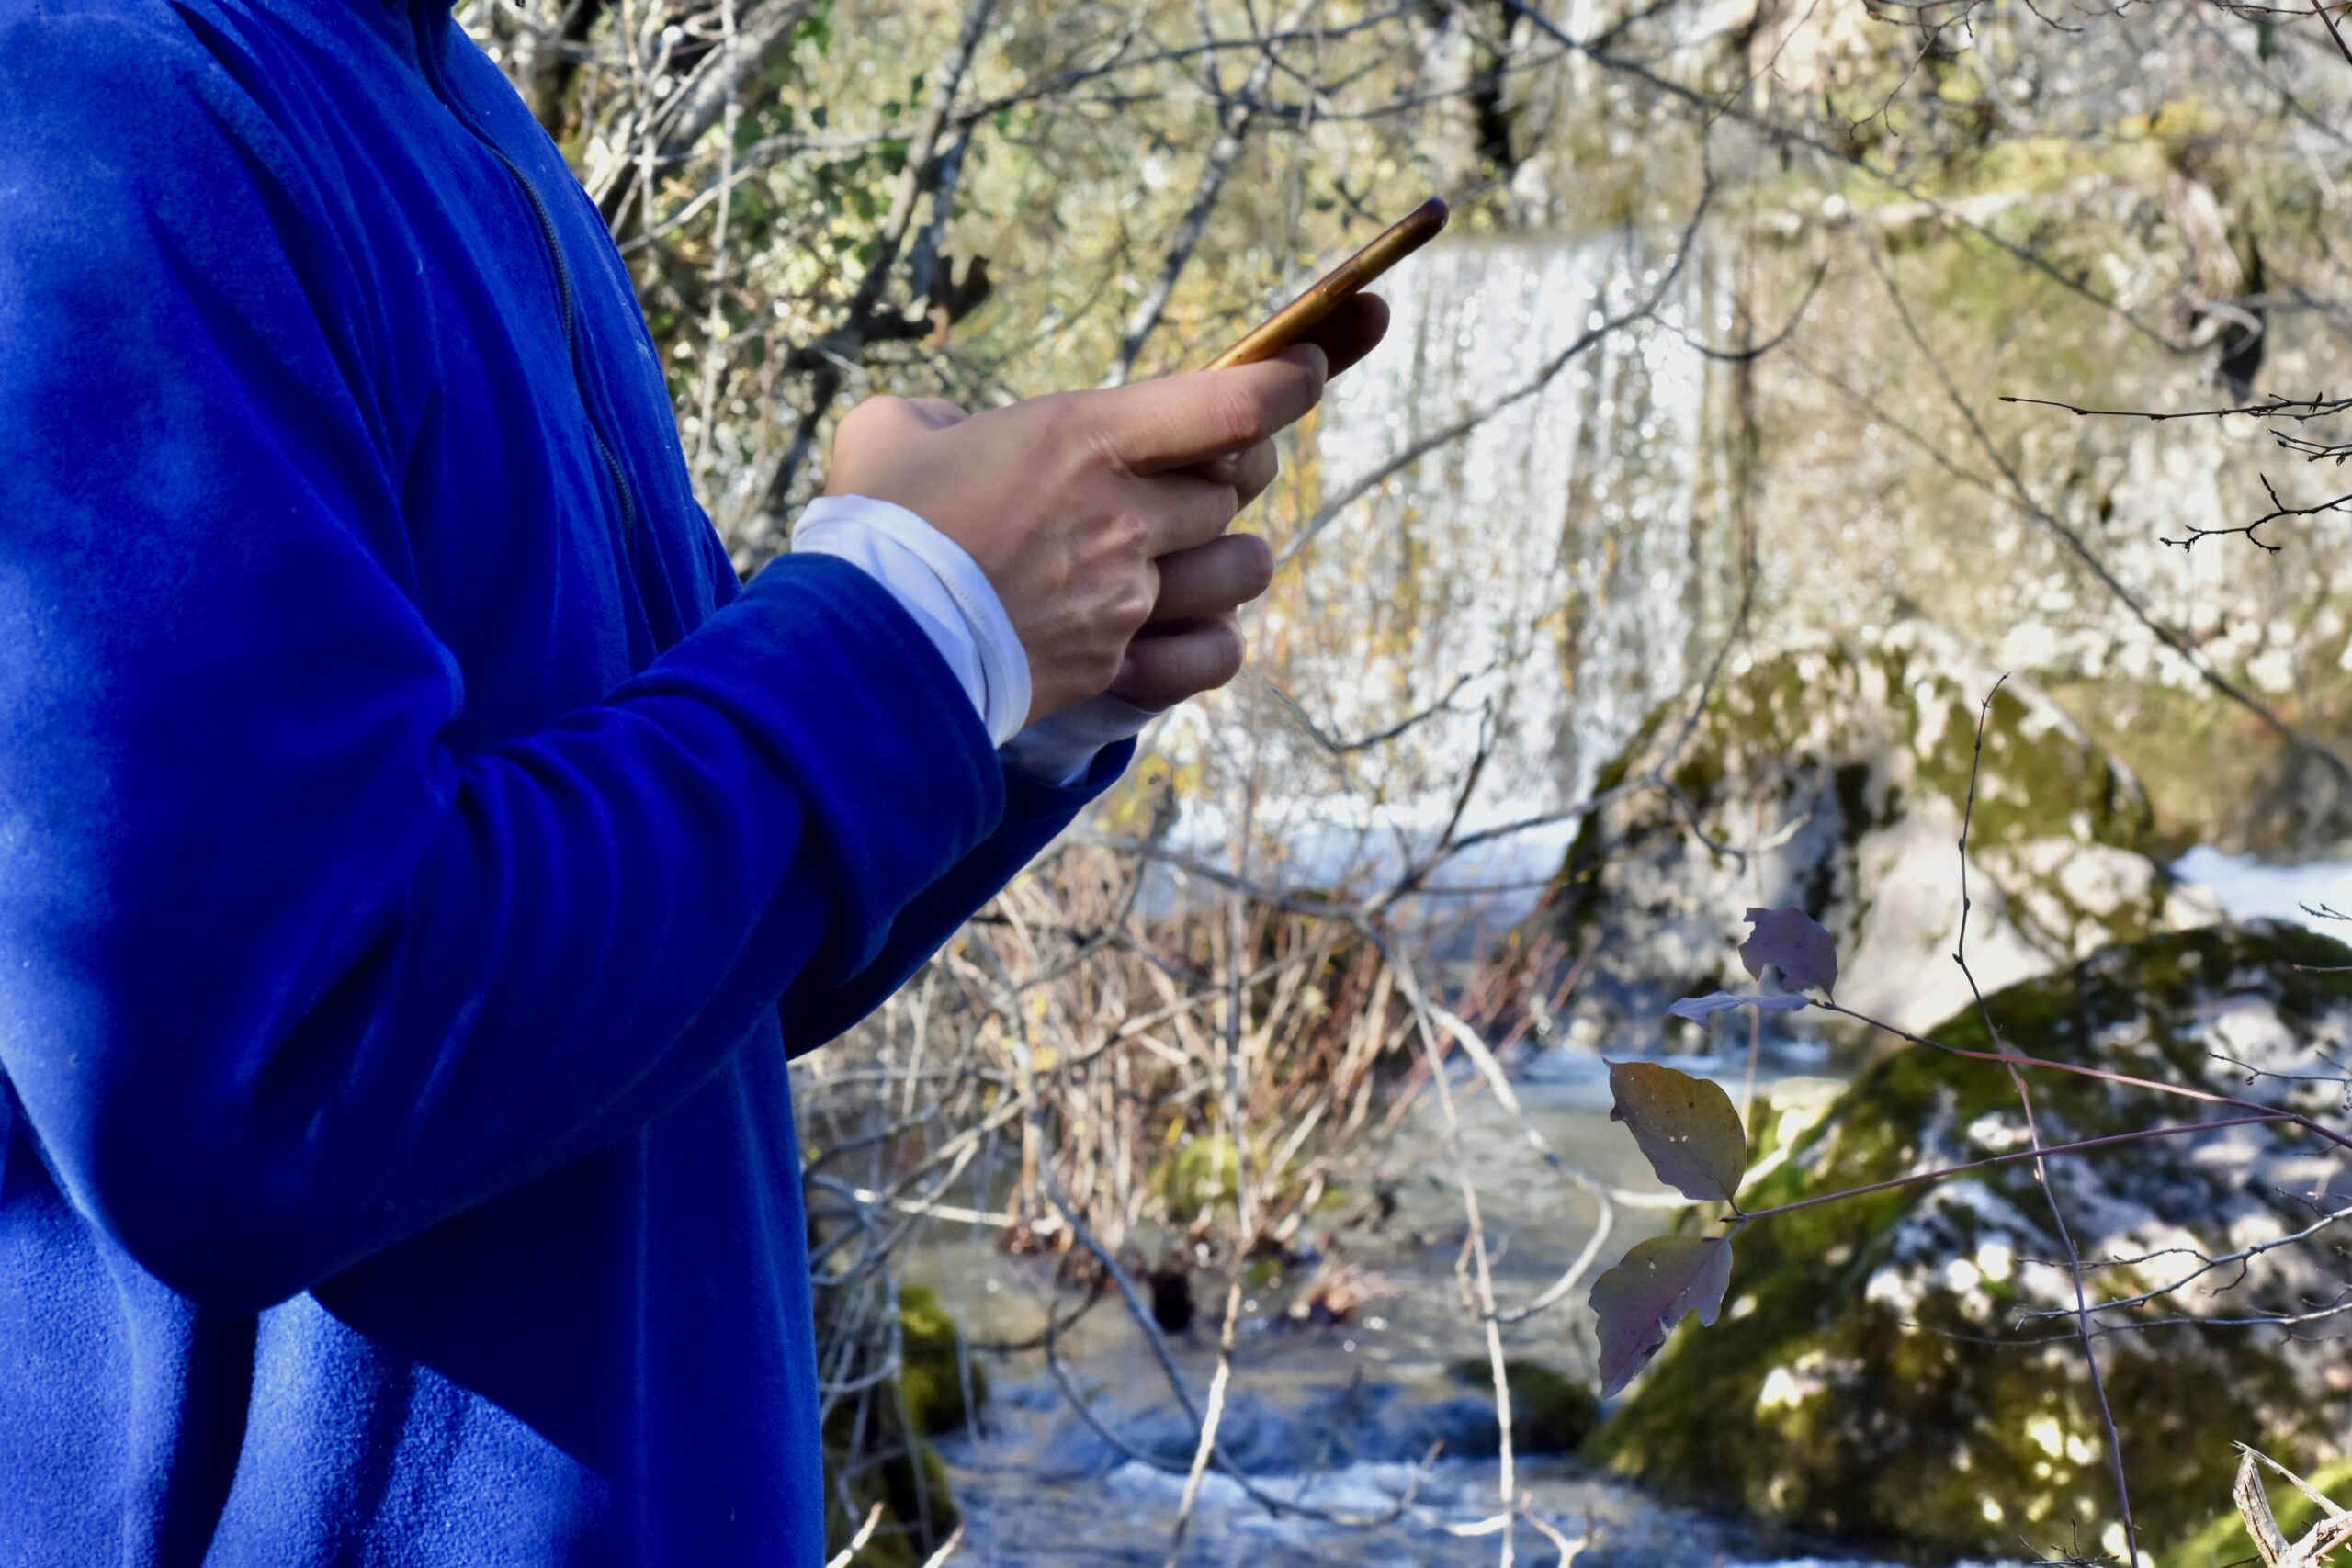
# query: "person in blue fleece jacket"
419,857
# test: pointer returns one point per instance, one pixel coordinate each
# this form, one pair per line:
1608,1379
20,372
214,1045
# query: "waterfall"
1537,581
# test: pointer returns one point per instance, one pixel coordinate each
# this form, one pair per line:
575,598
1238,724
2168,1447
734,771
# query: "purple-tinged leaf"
1698,1010
1685,1126
1793,942
1639,1302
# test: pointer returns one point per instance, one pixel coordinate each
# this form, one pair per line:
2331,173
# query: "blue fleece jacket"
417,858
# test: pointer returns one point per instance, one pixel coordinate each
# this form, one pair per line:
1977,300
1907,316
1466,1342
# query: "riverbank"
1340,1417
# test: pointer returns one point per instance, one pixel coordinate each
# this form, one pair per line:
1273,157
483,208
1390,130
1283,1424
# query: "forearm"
1036,812
386,982
1052,769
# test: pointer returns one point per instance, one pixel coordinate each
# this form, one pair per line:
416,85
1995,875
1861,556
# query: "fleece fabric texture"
418,859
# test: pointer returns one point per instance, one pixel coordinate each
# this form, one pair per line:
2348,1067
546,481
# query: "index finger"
1190,417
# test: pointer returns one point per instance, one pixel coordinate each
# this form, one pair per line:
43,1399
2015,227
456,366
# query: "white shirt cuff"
938,582
941,586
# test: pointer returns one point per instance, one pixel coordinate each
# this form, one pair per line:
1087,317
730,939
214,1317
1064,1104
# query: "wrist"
937,580
1062,747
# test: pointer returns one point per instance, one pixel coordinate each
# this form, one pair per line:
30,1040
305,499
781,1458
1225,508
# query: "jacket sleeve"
284,977
815,1011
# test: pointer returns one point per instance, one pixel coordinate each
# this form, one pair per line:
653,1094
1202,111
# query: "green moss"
1698,773
2044,783
1852,743
932,1368
1892,1423
1840,709
876,1448
1550,1414
918,1509
2212,771
1200,1175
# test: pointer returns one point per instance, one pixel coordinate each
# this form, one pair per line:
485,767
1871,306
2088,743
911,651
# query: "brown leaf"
1658,1283
1685,1126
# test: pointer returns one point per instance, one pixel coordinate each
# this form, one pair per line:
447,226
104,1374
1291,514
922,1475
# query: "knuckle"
849,430
1073,426
1134,605
1236,418
1130,536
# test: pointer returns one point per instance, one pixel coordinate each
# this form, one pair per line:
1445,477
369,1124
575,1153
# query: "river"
1337,1417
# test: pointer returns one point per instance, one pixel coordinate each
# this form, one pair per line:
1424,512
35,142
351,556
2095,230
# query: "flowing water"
1548,556
1524,594
1335,1417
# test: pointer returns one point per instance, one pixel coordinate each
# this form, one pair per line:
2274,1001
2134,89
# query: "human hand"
1193,642
1097,514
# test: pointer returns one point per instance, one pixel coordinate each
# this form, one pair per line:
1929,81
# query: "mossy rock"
1847,765
1550,1414
918,1510
933,1371
1202,1174
1199,1174
1869,1378
877,1448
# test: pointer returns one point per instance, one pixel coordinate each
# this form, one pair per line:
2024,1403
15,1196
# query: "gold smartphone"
1293,321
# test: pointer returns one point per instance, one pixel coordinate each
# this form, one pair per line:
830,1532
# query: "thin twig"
2033,1134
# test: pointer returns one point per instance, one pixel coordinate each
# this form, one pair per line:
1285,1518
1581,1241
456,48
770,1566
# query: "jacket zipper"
427,58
